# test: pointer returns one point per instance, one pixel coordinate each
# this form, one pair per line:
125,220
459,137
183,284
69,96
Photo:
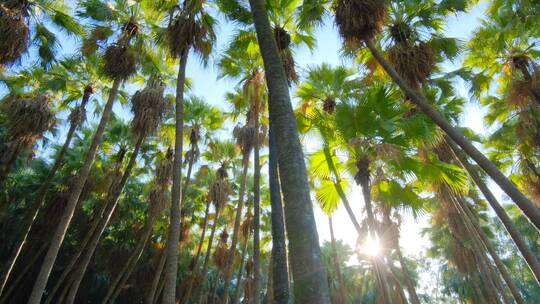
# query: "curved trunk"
171,266
337,263
59,234
493,253
280,269
310,284
230,258
526,252
42,193
200,289
238,290
121,278
112,203
377,262
75,258
256,218
150,297
529,209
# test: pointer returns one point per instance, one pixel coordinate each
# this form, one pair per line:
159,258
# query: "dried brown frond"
164,170
120,62
414,63
289,65
185,233
363,175
219,193
245,137
283,38
148,107
329,105
77,115
247,226
14,35
184,32
220,256
224,236
158,200
28,118
359,20
401,32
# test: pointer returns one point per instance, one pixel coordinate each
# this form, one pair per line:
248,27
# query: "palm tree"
149,107
188,29
76,118
120,63
362,29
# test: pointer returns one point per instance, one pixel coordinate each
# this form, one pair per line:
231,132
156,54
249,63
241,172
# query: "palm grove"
119,185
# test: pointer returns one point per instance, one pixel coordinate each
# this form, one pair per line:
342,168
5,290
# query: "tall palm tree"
363,29
120,63
189,28
148,106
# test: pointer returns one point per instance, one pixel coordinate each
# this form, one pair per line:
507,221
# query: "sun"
371,246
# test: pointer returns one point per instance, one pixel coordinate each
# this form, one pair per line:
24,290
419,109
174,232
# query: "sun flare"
371,246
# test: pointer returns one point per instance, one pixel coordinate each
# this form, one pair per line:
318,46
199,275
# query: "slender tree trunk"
149,299
121,278
269,288
308,271
238,290
483,238
526,252
200,289
230,258
42,193
171,267
339,189
280,270
413,297
256,218
113,202
76,256
399,287
194,269
21,274
529,209
59,234
337,263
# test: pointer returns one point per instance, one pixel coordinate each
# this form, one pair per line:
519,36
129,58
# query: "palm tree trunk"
76,256
308,271
200,289
378,263
406,274
59,234
21,274
195,260
171,267
339,189
526,252
256,218
269,288
399,287
280,269
238,290
483,238
121,278
230,258
149,299
337,263
113,202
42,193
529,209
